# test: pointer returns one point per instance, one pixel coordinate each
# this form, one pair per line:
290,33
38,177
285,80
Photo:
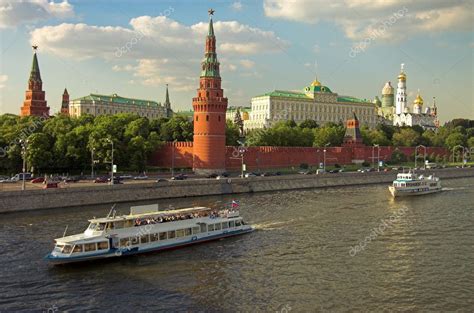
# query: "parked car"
101,180
117,180
213,175
334,171
71,179
140,177
266,174
38,180
7,181
50,185
160,180
19,176
250,175
277,173
179,177
126,176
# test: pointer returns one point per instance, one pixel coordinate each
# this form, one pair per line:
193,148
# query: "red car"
51,185
38,180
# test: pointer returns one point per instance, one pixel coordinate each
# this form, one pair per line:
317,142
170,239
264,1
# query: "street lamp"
92,162
24,144
454,150
112,162
378,156
172,157
424,155
242,152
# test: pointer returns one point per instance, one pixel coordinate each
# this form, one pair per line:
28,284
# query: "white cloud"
316,48
387,20
3,80
17,12
157,50
247,63
237,6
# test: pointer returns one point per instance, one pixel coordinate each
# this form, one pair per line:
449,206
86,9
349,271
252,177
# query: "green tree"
455,139
406,137
309,124
470,142
232,133
38,153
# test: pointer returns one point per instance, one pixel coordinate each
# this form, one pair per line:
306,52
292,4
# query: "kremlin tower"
418,104
353,136
35,103
65,103
401,104
210,107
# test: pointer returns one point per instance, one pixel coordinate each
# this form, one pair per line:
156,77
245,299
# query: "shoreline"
17,201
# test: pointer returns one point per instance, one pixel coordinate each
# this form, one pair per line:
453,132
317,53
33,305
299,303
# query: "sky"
134,48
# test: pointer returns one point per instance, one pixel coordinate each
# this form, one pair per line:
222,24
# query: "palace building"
95,104
35,103
315,102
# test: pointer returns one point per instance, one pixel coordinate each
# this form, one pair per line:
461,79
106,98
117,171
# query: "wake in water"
272,225
451,188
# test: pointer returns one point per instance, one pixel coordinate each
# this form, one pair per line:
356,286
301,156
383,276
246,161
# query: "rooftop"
115,98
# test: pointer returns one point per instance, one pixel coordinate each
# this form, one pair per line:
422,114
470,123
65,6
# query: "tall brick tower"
353,136
65,103
210,107
35,103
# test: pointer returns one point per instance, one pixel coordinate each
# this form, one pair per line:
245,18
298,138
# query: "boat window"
238,223
171,234
231,224
196,230
154,237
89,247
163,236
203,228
129,223
103,245
225,225
92,226
67,249
124,242
180,233
101,226
210,227
134,240
217,226
110,226
77,249
188,232
144,239
119,224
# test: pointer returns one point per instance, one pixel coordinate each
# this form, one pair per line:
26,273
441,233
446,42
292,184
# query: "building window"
207,118
219,118
197,118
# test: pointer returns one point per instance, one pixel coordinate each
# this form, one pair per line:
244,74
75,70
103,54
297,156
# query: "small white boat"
147,229
408,184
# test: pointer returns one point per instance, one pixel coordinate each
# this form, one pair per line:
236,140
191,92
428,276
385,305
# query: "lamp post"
242,152
24,144
454,150
92,162
324,160
378,156
172,158
112,162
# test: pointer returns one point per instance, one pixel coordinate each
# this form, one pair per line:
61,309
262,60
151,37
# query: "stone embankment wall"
11,201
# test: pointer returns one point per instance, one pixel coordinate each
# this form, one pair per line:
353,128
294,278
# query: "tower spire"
167,103
35,103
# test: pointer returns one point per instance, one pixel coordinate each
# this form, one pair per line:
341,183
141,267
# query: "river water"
344,249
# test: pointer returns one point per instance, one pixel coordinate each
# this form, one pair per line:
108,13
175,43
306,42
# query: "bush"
365,164
304,166
398,157
337,165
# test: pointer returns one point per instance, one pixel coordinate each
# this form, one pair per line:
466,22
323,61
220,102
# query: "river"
336,250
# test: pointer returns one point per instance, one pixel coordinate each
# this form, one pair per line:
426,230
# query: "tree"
177,128
331,135
309,124
406,137
455,139
398,157
470,142
38,153
232,133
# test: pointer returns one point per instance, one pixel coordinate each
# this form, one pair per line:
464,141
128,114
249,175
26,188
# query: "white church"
426,118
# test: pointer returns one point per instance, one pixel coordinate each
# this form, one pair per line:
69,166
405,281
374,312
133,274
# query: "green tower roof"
35,71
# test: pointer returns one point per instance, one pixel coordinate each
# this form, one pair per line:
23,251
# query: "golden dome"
418,100
316,83
402,76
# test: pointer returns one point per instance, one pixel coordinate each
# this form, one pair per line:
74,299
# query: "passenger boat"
147,229
408,184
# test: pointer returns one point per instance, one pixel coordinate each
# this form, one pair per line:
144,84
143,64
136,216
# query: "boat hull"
118,252
396,193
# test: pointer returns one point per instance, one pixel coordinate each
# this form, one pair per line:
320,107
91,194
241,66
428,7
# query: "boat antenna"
111,210
65,230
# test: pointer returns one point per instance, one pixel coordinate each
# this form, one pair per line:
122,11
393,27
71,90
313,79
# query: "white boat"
147,229
408,184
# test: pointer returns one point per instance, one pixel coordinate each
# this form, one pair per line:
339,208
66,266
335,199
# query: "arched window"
207,118
197,118
219,118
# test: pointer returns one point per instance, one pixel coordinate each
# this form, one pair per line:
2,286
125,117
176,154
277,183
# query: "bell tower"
210,107
35,103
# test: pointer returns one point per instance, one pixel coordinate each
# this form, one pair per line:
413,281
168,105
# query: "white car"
141,177
250,175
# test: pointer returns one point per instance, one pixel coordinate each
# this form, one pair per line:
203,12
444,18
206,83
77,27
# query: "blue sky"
263,45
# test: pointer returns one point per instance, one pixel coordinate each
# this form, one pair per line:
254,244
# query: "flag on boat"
235,204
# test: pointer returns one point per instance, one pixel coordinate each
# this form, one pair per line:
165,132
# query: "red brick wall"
278,157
